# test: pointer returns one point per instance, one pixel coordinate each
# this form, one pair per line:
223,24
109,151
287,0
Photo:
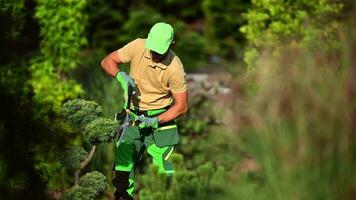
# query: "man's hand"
146,122
125,81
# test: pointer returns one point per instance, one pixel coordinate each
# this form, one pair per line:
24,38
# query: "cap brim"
156,47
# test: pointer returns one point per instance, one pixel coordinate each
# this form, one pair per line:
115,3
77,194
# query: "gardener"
161,97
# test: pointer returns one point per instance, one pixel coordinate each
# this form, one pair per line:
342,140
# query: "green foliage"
78,193
200,114
273,22
195,128
297,136
84,115
101,89
222,21
9,79
16,10
154,183
74,156
94,180
15,7
101,130
192,8
189,44
189,47
79,112
49,166
302,139
62,28
104,22
138,24
91,187
206,182
13,60
122,22
40,77
50,91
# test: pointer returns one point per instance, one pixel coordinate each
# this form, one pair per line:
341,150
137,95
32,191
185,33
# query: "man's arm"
110,62
179,108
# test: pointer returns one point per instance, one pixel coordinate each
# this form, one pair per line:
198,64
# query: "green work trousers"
159,144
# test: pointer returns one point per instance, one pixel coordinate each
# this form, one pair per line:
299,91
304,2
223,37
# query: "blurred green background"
272,89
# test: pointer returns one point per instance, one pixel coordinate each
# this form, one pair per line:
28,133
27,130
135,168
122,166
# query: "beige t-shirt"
156,81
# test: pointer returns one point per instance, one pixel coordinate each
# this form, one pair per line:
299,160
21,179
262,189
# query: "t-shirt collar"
154,64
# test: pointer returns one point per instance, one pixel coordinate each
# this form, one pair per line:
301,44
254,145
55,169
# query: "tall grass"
301,125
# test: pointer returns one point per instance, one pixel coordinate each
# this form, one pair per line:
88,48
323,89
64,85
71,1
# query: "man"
161,97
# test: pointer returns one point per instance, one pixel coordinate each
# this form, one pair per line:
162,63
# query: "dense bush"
275,23
222,19
205,182
62,31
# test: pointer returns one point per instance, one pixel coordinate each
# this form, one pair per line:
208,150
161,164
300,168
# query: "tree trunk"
83,164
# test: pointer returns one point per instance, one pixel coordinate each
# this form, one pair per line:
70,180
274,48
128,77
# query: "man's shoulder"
176,63
138,42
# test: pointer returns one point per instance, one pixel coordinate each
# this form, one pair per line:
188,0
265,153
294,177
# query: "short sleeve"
127,52
177,82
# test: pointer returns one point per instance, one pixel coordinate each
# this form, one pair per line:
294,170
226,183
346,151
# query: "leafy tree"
272,23
138,24
16,10
121,22
62,30
17,43
185,10
222,19
61,26
105,19
38,90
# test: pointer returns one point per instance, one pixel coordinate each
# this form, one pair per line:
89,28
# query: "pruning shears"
124,116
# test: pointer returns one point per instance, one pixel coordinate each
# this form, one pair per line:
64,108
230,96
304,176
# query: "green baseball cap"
160,37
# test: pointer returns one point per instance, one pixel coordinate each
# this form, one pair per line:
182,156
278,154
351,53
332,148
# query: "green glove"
125,81
146,122
133,116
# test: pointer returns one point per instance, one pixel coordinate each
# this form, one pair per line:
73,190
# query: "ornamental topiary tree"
85,116
91,186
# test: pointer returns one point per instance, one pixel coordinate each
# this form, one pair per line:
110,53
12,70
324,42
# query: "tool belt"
150,113
167,133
